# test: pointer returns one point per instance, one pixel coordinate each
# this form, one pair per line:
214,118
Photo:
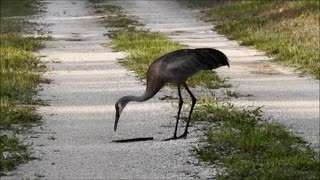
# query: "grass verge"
13,14
250,147
19,76
145,46
13,152
286,30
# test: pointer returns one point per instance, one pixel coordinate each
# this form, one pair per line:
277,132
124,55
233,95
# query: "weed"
233,94
249,146
105,8
12,114
209,80
121,21
15,40
12,151
13,8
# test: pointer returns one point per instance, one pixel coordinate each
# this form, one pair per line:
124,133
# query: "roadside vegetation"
288,31
240,141
19,77
248,146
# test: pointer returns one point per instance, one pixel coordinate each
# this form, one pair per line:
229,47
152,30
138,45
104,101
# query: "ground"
75,139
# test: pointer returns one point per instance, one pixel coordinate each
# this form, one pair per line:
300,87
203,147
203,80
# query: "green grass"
104,8
250,147
115,18
11,8
233,94
143,46
121,21
12,152
12,12
13,114
286,30
19,75
19,70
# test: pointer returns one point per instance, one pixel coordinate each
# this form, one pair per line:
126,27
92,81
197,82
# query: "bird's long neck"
145,96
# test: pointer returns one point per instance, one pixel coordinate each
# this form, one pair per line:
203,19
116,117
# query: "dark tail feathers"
216,58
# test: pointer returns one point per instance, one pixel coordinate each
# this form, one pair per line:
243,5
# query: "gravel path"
74,141
285,97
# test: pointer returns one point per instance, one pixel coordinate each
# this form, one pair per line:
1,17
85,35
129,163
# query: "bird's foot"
172,138
184,135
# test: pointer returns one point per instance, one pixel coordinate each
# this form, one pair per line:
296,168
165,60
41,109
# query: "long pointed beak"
116,121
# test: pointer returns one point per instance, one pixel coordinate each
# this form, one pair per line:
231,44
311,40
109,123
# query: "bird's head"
120,105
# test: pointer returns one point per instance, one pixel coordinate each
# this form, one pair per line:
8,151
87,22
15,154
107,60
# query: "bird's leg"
194,100
178,116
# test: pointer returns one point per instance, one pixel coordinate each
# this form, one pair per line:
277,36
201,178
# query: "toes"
184,135
172,138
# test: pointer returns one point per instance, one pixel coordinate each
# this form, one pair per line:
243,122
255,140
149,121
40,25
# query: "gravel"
75,139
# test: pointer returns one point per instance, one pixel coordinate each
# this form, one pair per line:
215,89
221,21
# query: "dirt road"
74,141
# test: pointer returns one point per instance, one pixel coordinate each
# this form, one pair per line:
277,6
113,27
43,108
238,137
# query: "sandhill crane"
175,67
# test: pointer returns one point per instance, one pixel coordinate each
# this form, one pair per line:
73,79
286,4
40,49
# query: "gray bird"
175,67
